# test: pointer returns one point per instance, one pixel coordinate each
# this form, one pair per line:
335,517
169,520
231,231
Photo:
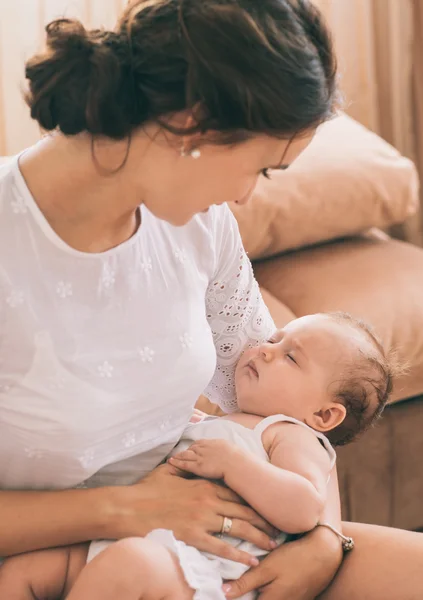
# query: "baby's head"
328,370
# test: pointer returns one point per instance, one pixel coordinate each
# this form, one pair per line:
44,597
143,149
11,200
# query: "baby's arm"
292,491
289,491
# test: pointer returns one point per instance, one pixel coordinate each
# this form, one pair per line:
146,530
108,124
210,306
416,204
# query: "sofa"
316,234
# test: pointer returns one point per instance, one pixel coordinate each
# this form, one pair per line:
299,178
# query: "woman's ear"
190,118
328,417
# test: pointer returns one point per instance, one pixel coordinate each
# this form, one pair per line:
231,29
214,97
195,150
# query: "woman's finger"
247,514
216,546
225,493
252,580
249,533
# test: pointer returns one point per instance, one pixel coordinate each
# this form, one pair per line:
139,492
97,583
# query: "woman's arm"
35,520
236,312
192,509
299,570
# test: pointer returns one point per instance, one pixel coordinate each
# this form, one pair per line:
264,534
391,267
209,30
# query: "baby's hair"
366,387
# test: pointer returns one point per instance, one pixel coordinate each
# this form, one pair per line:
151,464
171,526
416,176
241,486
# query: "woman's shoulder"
7,165
9,196
221,227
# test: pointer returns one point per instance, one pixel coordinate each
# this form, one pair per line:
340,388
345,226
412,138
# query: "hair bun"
81,83
68,35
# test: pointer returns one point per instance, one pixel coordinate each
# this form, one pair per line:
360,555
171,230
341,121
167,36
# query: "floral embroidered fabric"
103,356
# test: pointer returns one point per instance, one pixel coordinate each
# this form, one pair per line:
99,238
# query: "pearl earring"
196,153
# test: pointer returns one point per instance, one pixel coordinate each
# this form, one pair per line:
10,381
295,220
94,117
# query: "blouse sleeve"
236,312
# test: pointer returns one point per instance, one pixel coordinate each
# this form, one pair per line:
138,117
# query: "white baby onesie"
205,572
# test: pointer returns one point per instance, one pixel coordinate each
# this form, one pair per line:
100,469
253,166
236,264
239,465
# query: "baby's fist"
205,458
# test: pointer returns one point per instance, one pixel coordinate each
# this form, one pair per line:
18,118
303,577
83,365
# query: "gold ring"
226,525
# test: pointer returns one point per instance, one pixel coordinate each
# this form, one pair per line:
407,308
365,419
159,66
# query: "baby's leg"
132,569
47,574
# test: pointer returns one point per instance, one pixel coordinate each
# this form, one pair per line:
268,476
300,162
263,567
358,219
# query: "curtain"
380,53
22,25
379,45
417,105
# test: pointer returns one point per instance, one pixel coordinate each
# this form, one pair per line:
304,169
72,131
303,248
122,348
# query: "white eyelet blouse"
103,356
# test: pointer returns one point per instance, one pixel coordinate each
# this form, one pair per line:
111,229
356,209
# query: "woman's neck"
92,210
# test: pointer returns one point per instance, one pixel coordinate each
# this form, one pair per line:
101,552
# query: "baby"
320,381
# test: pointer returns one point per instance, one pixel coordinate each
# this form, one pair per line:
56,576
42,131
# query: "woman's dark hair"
243,67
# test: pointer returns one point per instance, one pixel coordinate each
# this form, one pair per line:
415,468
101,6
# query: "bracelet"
347,542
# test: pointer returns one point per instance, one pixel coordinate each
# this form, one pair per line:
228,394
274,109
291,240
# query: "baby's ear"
327,418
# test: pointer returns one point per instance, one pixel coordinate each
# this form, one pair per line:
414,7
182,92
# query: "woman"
121,281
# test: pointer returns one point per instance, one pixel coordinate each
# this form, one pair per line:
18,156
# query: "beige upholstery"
380,476
378,281
345,182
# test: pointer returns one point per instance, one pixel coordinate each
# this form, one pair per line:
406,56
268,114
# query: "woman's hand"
192,508
298,570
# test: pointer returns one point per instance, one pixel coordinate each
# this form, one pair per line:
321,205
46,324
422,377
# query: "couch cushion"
378,280
346,181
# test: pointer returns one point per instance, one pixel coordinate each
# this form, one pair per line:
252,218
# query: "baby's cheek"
247,355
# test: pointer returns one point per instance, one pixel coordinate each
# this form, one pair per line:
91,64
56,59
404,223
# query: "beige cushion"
377,280
345,182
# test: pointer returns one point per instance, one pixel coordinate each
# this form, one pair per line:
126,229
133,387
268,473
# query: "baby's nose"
267,352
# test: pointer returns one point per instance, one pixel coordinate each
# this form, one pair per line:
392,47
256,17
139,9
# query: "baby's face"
293,372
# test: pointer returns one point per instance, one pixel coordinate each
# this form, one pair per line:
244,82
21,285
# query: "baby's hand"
197,416
206,458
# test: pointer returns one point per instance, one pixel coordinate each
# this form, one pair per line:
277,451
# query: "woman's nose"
244,200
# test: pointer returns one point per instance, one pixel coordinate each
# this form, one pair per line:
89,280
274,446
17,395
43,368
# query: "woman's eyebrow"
282,167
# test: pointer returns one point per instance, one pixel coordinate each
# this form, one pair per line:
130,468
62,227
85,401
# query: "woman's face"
176,187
